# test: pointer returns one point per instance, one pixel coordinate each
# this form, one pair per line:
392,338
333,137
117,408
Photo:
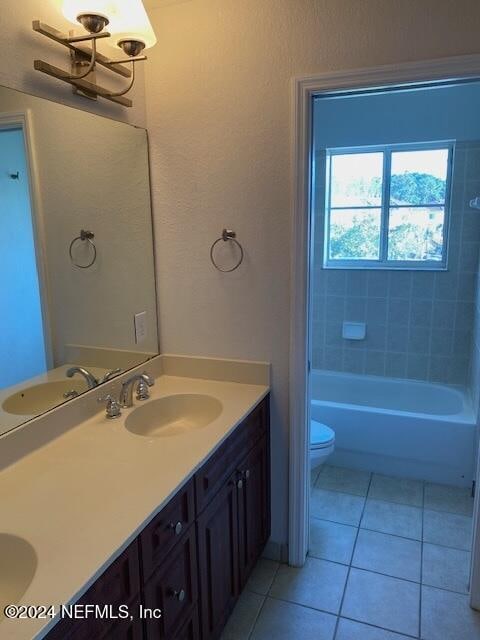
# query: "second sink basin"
173,415
41,397
18,563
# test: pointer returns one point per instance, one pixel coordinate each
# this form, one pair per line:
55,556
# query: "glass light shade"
128,19
71,9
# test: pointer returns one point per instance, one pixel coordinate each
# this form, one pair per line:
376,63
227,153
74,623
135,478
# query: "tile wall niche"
420,324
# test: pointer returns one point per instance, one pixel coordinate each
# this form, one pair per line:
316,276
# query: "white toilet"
322,443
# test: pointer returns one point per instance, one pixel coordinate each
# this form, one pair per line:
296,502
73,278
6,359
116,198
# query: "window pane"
419,177
354,234
356,179
416,234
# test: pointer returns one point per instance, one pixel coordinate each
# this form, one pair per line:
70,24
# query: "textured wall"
419,323
21,46
218,112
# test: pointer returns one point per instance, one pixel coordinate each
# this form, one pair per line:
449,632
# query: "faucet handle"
113,408
142,390
111,374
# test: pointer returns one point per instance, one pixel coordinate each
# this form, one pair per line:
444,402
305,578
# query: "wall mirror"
77,285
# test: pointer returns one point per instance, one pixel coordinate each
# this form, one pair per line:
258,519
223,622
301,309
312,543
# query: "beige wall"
21,46
217,90
218,113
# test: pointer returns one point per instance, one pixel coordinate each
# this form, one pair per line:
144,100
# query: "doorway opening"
21,287
376,267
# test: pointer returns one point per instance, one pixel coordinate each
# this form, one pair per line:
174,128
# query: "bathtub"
398,427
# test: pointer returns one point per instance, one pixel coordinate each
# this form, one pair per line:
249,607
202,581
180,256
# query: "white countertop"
83,497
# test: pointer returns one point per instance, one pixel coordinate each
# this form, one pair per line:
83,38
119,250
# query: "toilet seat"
321,436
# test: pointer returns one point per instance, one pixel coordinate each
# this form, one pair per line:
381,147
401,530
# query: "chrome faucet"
111,374
142,382
90,379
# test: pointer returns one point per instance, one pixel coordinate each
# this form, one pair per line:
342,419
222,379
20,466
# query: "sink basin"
18,563
41,397
173,415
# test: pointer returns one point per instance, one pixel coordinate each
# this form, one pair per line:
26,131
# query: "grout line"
374,626
256,617
265,596
394,535
351,559
421,566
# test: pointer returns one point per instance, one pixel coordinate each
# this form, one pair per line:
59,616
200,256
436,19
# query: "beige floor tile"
331,541
397,557
446,568
318,584
241,622
440,497
448,529
262,576
448,616
337,507
396,519
382,601
314,473
401,490
350,630
286,621
350,481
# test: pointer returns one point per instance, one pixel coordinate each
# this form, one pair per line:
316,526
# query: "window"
387,207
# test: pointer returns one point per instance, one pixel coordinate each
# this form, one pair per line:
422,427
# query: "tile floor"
389,560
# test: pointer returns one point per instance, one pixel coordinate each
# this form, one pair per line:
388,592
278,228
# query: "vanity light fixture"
128,29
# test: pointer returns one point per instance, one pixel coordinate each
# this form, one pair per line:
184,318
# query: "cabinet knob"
240,484
177,528
179,595
247,474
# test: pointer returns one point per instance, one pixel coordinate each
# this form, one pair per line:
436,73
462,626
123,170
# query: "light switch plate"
140,321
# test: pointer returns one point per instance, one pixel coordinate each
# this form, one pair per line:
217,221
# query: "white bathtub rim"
462,418
467,415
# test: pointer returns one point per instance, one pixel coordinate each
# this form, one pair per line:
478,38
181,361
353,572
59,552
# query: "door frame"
23,120
303,91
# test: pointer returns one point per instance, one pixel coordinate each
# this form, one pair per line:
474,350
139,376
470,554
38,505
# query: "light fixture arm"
89,57
130,84
91,64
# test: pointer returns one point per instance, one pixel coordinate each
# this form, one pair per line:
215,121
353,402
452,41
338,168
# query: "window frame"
383,262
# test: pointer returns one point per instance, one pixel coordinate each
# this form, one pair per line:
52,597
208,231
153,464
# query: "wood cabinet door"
218,560
127,630
173,589
253,498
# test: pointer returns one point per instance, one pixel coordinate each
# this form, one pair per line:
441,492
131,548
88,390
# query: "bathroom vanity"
194,558
165,508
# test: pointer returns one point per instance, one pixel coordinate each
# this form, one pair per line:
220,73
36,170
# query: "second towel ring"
227,234
85,236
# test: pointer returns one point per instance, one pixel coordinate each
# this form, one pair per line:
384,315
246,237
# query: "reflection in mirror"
76,254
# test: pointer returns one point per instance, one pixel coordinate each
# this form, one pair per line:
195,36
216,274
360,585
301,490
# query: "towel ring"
227,234
85,236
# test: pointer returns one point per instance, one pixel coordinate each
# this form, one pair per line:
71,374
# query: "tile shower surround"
419,323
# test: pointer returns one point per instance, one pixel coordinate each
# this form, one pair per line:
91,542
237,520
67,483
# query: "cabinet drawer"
165,530
212,476
173,589
252,429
